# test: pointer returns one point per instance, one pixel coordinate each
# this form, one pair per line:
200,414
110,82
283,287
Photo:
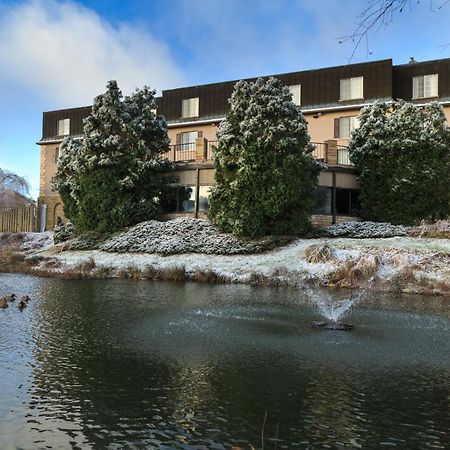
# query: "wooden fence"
18,220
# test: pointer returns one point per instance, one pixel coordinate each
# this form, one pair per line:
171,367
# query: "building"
330,98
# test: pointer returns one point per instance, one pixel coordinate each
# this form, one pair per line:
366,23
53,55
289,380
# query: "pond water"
125,364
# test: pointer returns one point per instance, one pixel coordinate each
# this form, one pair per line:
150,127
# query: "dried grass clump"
208,276
89,265
177,273
353,272
131,272
437,230
102,272
318,254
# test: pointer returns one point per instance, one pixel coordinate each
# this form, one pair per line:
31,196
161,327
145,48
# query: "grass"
318,254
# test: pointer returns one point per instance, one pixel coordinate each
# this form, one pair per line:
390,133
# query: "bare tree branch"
9,181
378,14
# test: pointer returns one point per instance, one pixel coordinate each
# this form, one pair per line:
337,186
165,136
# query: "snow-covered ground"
398,263
401,263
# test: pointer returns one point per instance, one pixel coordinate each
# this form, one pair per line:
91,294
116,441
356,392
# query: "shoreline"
410,265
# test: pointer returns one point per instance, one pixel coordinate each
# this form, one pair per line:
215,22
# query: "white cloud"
66,53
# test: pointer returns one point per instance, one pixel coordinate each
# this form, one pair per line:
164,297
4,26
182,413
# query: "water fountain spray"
335,311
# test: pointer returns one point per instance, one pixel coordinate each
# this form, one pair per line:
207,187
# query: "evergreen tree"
402,153
112,177
265,173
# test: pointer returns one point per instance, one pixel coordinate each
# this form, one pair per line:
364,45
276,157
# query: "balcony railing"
203,151
343,158
181,152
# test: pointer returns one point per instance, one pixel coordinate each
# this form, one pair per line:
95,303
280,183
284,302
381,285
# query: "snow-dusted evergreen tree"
265,173
112,177
402,153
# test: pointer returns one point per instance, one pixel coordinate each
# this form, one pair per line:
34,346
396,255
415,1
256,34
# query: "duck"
11,298
3,303
25,298
22,305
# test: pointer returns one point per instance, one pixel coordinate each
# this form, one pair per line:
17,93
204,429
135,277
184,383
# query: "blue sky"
59,54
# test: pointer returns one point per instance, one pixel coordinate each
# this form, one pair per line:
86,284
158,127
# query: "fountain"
334,311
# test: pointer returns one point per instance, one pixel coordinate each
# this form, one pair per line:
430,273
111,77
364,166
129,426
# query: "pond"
126,364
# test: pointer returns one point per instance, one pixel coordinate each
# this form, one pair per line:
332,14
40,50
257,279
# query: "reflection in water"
95,364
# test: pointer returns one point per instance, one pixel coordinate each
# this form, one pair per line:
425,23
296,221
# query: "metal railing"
343,157
320,151
338,155
181,152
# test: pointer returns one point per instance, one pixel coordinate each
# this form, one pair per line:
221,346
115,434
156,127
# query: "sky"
58,54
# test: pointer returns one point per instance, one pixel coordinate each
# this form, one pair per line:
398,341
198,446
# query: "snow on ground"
35,241
413,263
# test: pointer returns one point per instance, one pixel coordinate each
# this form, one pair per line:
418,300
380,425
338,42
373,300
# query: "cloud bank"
65,53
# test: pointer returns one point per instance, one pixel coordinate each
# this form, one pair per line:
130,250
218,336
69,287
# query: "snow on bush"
402,153
265,173
181,235
63,233
365,230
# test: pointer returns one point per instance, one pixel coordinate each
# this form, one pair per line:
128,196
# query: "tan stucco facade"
201,172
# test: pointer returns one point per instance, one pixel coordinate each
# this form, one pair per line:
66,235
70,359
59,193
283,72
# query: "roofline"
280,74
416,63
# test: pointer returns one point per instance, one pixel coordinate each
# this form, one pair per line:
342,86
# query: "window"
187,140
203,196
425,86
322,204
189,107
64,127
352,88
346,126
347,202
296,91
186,199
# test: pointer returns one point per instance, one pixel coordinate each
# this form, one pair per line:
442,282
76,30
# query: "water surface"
125,364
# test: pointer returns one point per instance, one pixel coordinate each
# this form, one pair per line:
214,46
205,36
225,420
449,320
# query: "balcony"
332,154
202,151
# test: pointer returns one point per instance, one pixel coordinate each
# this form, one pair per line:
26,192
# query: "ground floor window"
184,199
323,200
347,202
203,198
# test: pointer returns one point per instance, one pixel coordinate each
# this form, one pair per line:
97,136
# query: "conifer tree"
402,153
265,173
112,177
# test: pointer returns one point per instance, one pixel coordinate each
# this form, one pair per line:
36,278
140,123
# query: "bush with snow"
62,233
365,230
402,153
265,172
113,177
182,235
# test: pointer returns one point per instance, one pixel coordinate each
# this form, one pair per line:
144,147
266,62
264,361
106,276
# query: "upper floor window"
425,86
345,126
296,91
352,88
188,140
189,107
63,127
